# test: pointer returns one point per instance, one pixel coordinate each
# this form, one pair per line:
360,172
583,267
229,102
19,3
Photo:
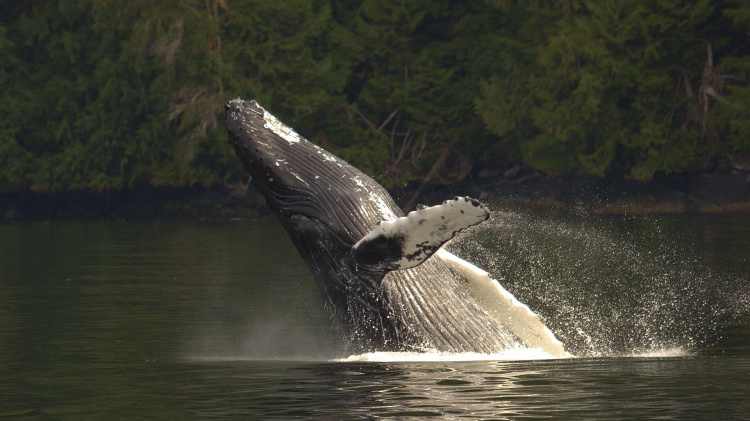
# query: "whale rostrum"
384,275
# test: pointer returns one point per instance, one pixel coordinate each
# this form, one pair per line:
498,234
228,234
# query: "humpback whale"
383,275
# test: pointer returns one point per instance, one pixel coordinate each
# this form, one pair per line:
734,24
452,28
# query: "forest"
108,94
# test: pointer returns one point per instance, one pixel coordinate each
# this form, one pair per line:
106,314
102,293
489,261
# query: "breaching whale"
383,274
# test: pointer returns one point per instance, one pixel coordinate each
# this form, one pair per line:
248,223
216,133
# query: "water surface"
202,320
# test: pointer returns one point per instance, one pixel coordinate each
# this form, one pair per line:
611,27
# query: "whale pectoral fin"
408,241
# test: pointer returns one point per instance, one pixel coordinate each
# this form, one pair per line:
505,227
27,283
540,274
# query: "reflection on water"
134,320
569,389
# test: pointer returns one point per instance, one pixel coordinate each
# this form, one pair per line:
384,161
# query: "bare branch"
382,126
362,116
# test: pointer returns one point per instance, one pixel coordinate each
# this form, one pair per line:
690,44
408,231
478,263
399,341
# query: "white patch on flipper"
424,231
273,124
504,307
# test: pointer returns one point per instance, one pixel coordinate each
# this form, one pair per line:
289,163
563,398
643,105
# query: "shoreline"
691,194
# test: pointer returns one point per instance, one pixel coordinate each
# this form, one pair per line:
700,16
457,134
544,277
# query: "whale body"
383,275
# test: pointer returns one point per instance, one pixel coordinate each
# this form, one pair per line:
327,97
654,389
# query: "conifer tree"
600,94
112,93
404,90
728,88
14,160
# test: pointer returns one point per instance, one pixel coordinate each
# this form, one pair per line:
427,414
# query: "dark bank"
718,192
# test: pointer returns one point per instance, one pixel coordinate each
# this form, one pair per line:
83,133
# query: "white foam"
514,354
661,353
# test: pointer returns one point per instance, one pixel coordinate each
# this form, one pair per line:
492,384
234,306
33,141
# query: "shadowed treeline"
110,93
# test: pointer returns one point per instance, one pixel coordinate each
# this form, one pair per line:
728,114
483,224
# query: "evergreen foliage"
112,93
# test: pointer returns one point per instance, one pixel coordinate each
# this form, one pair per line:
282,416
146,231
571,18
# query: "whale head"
299,179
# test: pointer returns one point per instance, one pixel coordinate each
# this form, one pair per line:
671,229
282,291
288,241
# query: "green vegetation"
112,93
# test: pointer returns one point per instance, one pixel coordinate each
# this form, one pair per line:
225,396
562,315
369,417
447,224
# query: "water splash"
608,287
519,353
514,354
662,353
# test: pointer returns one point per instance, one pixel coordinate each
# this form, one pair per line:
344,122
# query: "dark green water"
203,320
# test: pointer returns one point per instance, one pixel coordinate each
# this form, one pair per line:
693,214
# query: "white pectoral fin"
502,305
408,241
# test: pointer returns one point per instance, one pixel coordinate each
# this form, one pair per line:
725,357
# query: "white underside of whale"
504,307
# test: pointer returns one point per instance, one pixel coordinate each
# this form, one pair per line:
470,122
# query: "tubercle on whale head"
235,110
237,113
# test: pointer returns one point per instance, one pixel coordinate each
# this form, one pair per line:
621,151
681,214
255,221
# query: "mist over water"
610,286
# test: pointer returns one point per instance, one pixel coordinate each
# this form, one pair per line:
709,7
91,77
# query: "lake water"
221,320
